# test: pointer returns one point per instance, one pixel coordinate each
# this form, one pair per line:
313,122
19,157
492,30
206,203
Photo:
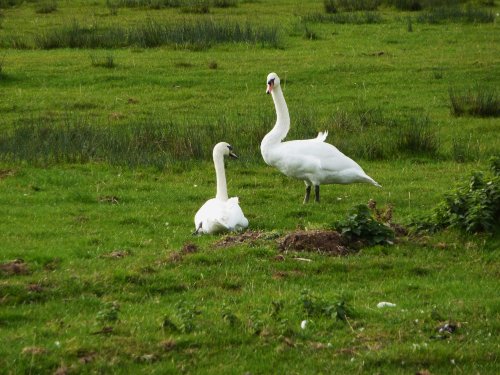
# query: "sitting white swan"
221,213
311,160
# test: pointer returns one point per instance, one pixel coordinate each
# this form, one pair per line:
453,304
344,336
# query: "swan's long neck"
220,175
280,130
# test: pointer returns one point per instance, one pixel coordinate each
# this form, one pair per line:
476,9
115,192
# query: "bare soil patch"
323,241
248,236
4,173
15,267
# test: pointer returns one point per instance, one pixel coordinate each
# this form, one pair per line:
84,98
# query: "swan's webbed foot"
316,193
197,231
308,193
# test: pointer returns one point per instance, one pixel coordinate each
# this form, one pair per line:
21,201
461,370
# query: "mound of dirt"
323,241
16,267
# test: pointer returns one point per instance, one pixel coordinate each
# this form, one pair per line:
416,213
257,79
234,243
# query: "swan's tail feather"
375,183
322,136
370,180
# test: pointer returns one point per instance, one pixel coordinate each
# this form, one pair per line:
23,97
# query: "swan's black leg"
197,229
308,193
316,193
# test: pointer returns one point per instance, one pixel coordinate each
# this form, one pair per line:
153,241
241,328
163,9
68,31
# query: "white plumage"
311,160
220,214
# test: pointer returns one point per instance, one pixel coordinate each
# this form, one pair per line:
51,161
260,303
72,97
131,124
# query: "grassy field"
105,156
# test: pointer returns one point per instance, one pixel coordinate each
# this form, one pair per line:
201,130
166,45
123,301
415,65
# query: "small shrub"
361,226
472,207
480,101
46,7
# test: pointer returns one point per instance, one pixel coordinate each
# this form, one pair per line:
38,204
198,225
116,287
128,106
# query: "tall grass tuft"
46,6
200,34
464,149
330,6
196,7
334,6
149,143
105,61
10,3
416,5
357,18
417,137
224,3
2,59
469,14
479,101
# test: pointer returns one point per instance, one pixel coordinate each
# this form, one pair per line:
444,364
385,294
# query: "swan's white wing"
218,216
234,219
316,162
208,216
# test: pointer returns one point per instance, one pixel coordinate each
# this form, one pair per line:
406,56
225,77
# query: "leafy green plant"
109,313
472,207
183,319
361,226
313,305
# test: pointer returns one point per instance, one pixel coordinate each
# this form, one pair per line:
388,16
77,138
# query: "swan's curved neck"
282,126
220,175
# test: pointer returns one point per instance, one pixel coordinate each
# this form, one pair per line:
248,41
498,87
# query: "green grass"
102,171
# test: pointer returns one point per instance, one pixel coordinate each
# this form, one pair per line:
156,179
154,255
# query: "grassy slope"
52,218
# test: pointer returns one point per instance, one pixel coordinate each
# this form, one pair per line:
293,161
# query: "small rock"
385,304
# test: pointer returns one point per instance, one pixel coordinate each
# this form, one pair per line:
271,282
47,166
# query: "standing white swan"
311,160
221,213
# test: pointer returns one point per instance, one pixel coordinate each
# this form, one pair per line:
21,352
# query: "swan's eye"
230,147
271,81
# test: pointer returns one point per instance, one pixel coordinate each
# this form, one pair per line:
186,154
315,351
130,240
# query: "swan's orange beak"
270,86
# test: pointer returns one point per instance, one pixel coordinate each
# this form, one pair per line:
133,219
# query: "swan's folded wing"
233,217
